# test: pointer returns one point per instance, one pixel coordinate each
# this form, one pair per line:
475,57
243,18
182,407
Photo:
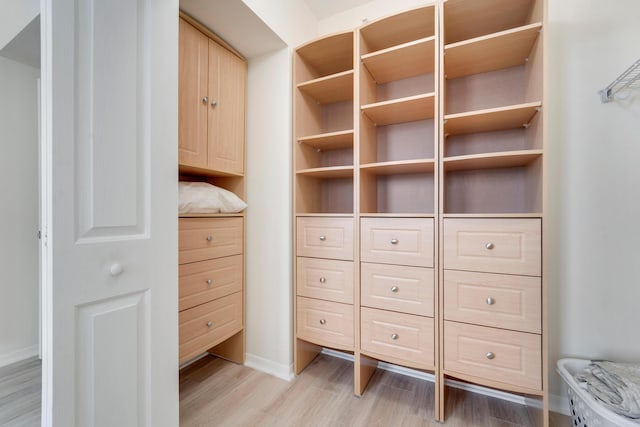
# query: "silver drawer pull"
209,282
394,241
323,279
209,238
490,301
394,289
489,246
323,238
209,323
394,336
322,321
490,355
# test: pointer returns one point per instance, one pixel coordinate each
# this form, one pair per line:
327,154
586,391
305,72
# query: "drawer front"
325,279
511,246
325,237
207,325
498,300
493,354
207,238
397,288
404,241
325,323
204,281
397,337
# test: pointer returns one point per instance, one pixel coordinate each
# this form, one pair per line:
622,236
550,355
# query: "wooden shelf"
329,141
329,55
193,170
396,215
493,119
401,62
399,167
411,25
464,19
492,215
328,172
212,215
334,215
334,88
409,109
505,159
488,53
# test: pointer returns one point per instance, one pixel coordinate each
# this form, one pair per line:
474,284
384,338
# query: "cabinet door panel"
192,111
227,81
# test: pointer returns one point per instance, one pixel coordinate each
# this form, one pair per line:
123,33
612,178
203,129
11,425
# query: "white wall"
16,14
291,20
19,213
595,212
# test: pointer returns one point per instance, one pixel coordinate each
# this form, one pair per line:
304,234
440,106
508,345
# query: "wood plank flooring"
20,391
214,392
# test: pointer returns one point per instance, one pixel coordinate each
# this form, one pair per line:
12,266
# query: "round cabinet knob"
323,279
116,269
214,103
322,321
394,241
490,355
323,238
394,336
209,238
209,323
205,99
489,246
490,301
209,282
394,289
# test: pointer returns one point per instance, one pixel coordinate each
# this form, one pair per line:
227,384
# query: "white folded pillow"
202,197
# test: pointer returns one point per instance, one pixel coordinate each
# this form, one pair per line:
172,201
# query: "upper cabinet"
212,82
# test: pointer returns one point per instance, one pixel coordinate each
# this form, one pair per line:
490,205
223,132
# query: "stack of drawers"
397,290
210,282
492,301
324,282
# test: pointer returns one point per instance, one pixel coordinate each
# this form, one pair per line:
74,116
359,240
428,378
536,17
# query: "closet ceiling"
325,8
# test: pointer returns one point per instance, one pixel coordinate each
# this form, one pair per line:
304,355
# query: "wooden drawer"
325,279
206,238
204,281
404,241
320,237
397,288
207,325
493,354
398,338
498,300
511,246
325,323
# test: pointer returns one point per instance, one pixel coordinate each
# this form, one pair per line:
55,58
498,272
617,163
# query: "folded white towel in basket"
616,385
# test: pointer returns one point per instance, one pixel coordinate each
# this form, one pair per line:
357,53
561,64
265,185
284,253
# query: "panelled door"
110,73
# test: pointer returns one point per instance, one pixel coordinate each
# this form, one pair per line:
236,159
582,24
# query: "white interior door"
110,125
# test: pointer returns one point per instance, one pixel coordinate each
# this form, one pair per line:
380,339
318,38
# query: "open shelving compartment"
397,114
492,130
324,125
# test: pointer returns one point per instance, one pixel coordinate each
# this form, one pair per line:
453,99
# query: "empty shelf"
329,141
329,55
488,53
334,88
510,117
399,167
410,109
505,159
401,62
328,172
411,25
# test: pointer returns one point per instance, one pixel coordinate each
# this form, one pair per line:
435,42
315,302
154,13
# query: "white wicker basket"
585,410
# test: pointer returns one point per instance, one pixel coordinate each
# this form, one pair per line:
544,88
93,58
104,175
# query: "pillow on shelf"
202,197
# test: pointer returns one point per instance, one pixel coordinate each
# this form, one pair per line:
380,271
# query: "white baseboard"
18,355
270,367
556,403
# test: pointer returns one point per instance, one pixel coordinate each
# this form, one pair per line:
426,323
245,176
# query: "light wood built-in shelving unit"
417,137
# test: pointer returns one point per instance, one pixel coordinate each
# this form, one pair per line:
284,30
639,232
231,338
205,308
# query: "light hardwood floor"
20,392
214,392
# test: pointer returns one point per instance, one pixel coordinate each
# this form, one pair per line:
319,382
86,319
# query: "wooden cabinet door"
227,81
192,93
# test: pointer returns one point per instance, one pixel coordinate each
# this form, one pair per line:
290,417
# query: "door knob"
205,99
116,269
